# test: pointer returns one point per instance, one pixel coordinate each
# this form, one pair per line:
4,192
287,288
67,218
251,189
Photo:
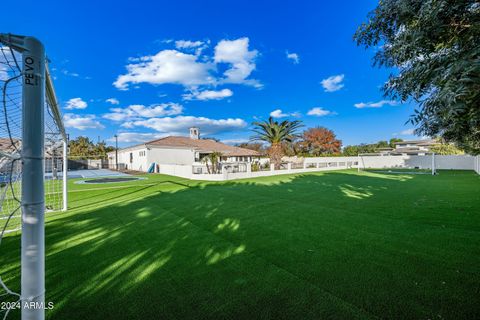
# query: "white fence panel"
463,162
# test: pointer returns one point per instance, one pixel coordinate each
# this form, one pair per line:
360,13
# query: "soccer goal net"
423,163
33,161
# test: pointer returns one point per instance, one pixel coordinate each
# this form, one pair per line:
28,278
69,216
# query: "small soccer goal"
424,163
33,163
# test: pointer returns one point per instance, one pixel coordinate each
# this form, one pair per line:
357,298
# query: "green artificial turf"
336,245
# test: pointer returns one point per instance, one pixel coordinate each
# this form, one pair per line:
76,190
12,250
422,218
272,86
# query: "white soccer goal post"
33,162
413,164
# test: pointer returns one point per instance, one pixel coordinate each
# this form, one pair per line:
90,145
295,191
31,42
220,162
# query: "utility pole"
116,152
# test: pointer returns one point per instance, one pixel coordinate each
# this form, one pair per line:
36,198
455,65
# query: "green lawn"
337,245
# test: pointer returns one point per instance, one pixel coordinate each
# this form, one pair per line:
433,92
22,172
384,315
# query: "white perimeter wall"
178,162
443,162
184,171
463,162
477,164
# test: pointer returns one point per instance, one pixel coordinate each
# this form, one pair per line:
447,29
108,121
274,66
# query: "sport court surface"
323,245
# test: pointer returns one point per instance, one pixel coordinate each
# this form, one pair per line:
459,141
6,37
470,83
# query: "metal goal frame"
38,93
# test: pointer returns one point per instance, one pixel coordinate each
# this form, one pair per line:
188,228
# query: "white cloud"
407,132
235,141
5,60
75,103
81,122
187,44
138,111
193,70
208,95
136,137
333,83
378,104
116,115
241,59
113,101
3,72
278,113
294,57
179,125
128,125
139,59
69,73
167,66
319,112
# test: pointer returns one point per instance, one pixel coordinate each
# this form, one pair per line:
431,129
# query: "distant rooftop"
426,142
9,146
205,145
201,145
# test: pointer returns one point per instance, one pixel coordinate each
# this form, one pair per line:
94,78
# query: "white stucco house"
180,151
414,147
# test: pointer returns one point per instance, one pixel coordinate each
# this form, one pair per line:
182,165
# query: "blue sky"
146,69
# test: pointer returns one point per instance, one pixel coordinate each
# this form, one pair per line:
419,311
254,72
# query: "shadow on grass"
330,245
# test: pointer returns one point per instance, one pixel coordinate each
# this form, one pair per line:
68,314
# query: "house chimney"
194,133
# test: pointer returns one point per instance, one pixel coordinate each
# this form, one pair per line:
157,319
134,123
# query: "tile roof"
7,146
409,150
205,145
426,142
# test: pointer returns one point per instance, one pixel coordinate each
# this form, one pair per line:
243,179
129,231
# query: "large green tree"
358,149
393,141
257,146
446,149
434,45
276,134
84,148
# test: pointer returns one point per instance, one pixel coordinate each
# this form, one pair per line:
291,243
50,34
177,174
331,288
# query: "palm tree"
276,134
214,159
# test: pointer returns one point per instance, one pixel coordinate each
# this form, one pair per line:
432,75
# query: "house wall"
238,159
163,156
159,156
139,162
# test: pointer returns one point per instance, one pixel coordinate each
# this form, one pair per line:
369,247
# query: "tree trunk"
208,167
275,153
